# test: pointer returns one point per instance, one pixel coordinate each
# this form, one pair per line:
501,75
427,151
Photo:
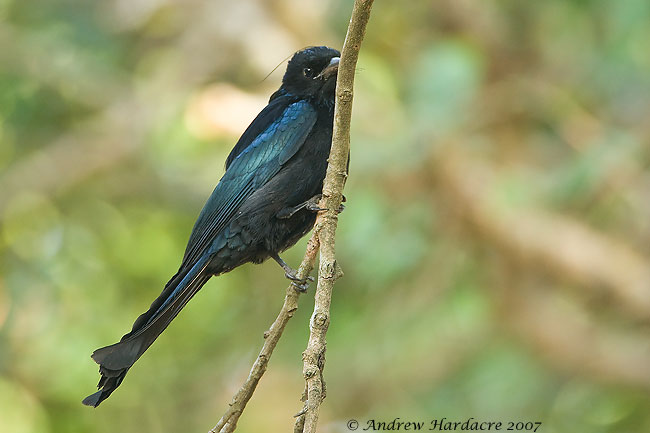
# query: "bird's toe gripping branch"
310,205
300,284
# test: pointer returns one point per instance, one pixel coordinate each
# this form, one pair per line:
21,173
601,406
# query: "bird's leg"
300,284
310,205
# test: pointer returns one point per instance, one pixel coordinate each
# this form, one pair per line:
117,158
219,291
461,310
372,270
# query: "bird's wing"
251,169
264,119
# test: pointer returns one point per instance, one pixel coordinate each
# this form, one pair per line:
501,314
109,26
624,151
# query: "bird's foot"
310,205
315,208
300,284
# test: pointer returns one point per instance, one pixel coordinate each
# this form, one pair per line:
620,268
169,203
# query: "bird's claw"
310,205
300,284
313,207
302,288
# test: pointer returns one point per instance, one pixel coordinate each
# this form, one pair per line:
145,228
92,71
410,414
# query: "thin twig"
329,271
228,421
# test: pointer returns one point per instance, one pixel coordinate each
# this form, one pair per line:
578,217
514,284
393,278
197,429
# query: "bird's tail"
115,360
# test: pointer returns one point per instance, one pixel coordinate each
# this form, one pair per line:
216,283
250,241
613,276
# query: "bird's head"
311,73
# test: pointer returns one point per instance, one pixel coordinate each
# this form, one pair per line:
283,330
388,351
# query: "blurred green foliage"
111,139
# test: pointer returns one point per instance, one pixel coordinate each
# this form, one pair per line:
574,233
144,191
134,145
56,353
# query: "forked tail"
115,360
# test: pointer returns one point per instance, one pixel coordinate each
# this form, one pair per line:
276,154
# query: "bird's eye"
308,72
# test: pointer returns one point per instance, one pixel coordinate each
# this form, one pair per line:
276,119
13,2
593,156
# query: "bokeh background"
496,240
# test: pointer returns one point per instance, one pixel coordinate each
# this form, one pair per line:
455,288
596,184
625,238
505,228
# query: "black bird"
264,203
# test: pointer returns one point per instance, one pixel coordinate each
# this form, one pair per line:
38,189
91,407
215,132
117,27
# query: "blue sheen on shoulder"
295,117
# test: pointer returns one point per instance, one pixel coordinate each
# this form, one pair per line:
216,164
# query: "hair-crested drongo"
264,203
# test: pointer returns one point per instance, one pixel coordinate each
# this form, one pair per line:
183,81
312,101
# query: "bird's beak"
331,69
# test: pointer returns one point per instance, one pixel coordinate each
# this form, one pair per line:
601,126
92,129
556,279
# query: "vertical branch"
328,272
